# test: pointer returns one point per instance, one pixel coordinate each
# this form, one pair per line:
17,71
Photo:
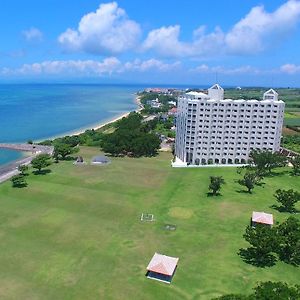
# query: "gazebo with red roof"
162,267
261,218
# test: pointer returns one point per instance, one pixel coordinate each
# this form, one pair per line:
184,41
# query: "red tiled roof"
163,264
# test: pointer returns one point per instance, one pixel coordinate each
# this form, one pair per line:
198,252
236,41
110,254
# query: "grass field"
76,233
290,96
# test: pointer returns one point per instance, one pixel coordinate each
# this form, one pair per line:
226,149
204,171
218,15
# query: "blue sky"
163,42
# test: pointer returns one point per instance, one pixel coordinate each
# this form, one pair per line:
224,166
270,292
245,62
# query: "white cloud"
67,67
112,65
260,29
290,69
32,34
150,64
77,68
108,30
256,32
165,41
204,69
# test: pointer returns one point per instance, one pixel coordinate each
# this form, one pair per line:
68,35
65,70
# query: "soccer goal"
146,217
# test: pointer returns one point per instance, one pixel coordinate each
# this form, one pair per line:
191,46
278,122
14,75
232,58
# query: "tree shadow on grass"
276,174
260,183
250,256
288,260
210,194
243,192
42,172
283,209
20,186
69,158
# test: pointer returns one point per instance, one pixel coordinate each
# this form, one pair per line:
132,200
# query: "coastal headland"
7,171
11,169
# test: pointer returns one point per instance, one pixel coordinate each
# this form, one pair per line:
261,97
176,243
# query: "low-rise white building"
154,103
214,130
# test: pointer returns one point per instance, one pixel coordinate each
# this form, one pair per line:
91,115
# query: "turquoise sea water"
8,155
41,111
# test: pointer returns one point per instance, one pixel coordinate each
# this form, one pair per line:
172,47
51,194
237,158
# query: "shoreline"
11,168
96,126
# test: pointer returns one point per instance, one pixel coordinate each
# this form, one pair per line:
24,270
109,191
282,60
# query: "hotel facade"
214,130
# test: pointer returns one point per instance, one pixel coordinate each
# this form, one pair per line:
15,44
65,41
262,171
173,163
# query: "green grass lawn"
76,233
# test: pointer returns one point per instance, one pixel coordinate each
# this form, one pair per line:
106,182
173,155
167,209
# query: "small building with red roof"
162,267
261,218
172,111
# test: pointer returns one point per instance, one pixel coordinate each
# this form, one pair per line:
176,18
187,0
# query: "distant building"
172,111
157,90
154,103
214,130
172,103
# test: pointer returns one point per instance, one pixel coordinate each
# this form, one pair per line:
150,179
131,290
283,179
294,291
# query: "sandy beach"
100,125
97,125
9,170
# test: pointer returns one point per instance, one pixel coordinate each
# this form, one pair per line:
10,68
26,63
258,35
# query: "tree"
263,240
268,291
23,169
146,144
41,161
249,180
72,140
18,181
275,291
295,162
216,184
265,161
63,150
289,241
132,138
287,199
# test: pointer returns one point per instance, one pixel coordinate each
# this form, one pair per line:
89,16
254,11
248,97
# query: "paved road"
28,148
7,171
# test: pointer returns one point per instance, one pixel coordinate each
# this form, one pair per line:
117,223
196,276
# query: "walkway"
7,171
34,149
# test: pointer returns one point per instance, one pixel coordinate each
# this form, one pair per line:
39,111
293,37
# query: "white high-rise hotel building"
214,130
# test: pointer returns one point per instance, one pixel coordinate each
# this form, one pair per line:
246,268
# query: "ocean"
41,111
